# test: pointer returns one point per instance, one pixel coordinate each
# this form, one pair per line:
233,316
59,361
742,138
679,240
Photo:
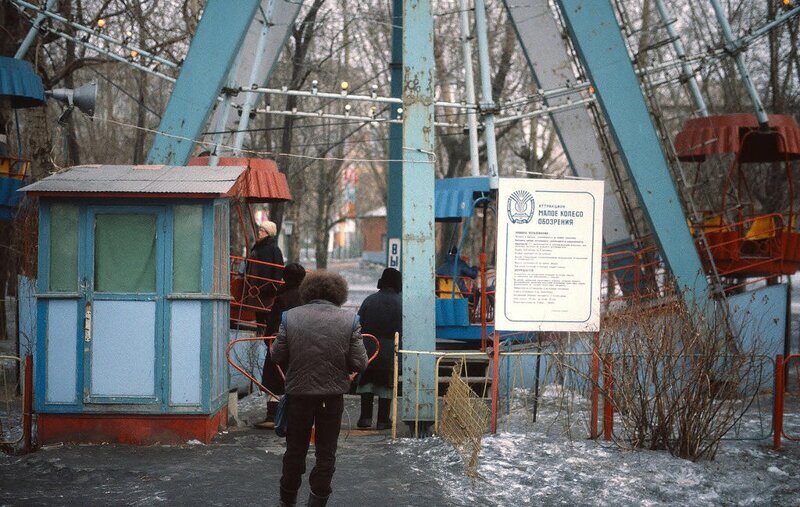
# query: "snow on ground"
536,464
552,462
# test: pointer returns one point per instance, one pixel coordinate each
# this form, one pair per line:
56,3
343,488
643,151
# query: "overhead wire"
261,153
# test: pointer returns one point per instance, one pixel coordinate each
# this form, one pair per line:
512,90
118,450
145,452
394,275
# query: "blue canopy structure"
454,197
20,84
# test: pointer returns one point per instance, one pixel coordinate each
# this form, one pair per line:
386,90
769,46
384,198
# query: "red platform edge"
133,429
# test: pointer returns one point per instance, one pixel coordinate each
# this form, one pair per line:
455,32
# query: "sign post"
549,246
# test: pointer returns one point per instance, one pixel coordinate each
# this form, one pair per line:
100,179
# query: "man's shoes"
383,425
266,425
316,500
364,423
288,498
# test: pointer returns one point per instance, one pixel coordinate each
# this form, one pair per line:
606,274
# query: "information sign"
549,245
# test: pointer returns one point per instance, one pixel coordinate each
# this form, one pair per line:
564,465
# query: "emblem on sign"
520,207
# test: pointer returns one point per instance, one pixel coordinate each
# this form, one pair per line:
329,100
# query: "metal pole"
250,99
469,79
735,50
222,119
394,204
219,128
27,405
686,71
374,98
608,404
487,104
26,43
777,411
495,378
113,56
418,247
394,385
91,31
595,375
779,20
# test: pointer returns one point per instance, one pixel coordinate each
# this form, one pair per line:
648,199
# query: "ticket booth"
132,303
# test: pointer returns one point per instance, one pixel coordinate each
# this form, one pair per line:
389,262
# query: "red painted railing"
269,339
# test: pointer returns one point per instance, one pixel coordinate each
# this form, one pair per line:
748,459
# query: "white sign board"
549,245
393,257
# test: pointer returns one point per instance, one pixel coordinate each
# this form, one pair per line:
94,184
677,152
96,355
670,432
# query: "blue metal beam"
394,210
211,54
26,43
419,319
599,43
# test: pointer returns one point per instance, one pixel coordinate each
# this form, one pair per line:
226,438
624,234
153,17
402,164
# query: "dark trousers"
325,414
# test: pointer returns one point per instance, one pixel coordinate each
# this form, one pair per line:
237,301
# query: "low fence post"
495,379
27,402
608,406
394,384
595,386
777,413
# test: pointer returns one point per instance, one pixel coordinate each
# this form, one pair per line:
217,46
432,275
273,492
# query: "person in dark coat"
318,345
288,297
262,279
381,315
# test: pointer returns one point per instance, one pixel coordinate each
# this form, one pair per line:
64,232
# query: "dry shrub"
681,379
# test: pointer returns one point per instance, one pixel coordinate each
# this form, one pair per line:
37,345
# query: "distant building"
373,233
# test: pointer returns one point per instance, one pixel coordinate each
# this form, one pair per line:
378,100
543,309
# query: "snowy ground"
524,464
534,465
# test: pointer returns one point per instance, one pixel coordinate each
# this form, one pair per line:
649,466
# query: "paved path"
241,466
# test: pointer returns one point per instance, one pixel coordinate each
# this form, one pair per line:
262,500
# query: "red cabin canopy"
261,182
728,133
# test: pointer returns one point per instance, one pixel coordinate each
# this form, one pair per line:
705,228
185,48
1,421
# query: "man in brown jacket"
318,345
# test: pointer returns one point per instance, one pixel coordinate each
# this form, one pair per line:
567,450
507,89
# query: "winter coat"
288,298
265,250
381,315
318,346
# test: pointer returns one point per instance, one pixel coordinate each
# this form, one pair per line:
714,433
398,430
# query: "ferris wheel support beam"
488,106
218,38
736,51
593,28
686,71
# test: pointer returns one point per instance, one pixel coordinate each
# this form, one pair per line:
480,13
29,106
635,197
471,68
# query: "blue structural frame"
418,251
213,310
595,33
394,201
219,35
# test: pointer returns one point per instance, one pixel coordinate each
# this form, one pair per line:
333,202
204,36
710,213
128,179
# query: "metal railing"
268,339
16,422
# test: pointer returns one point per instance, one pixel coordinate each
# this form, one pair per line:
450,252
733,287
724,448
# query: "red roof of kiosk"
715,135
261,182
